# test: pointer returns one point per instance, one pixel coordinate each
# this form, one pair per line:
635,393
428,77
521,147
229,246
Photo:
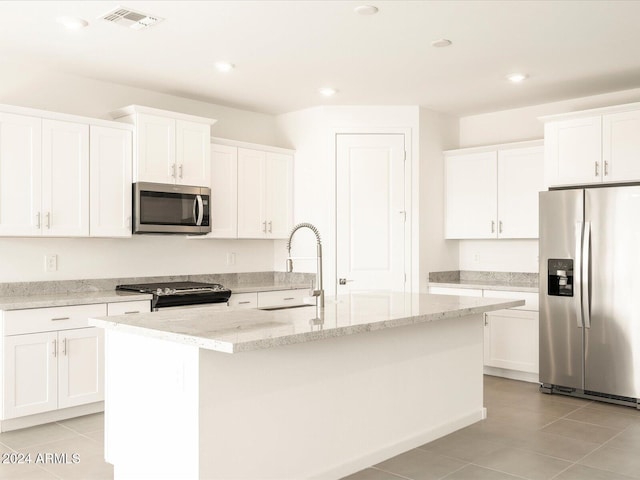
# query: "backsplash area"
484,277
229,280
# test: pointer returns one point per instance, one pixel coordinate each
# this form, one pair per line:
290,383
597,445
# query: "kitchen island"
204,393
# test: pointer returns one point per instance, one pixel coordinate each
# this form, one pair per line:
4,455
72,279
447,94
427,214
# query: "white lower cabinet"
511,340
51,358
510,335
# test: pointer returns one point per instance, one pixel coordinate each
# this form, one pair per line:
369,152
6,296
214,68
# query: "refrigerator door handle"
586,246
578,274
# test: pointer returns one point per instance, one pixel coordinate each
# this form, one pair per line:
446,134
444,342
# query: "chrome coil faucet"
318,291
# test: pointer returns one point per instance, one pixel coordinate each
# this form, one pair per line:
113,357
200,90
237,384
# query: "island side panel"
151,407
332,407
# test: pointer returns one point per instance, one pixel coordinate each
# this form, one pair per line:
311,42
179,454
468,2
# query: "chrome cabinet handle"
289,298
597,170
59,318
38,220
173,171
486,323
606,168
48,219
133,311
264,227
500,226
244,303
270,227
64,346
493,226
55,348
180,171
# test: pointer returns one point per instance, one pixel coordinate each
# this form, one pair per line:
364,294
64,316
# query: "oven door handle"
200,210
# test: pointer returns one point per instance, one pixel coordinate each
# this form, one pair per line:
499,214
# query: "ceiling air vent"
129,18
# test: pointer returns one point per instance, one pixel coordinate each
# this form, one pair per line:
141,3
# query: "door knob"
344,281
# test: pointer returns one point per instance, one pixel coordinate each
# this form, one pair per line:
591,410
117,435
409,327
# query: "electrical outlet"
50,262
231,258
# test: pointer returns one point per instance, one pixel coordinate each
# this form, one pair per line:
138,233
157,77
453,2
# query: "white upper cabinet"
471,199
573,150
170,147
110,181
65,178
20,174
224,191
492,192
520,180
621,146
265,193
593,147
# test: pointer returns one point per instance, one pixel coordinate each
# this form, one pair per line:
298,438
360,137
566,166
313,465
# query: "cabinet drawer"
35,320
463,292
531,299
244,300
122,308
282,298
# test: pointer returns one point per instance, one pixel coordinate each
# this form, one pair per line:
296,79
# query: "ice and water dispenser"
560,277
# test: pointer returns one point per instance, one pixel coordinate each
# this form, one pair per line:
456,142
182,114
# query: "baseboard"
391,450
48,417
512,374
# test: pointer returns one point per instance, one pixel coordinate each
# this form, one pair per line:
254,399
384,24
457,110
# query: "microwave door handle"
200,210
195,210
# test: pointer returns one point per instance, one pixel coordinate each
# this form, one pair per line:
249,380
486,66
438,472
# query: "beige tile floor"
527,435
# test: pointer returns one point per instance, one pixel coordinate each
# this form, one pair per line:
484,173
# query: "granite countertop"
486,280
19,302
238,330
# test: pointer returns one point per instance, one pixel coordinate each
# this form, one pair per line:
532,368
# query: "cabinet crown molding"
133,109
627,107
499,147
63,117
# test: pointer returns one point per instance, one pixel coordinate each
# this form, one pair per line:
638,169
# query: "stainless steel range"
181,294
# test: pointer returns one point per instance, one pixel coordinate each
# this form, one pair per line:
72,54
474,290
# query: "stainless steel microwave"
166,208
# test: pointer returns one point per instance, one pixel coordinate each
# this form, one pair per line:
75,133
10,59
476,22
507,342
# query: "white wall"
23,259
510,126
438,132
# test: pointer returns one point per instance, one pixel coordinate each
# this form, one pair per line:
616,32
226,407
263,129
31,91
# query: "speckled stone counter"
241,330
511,281
19,302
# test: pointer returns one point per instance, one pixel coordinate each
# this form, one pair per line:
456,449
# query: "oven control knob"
168,291
159,292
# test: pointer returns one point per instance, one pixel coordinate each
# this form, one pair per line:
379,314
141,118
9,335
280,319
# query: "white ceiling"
285,50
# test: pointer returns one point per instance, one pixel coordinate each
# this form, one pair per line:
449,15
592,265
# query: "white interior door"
371,212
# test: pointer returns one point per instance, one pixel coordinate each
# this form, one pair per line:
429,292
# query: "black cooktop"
175,294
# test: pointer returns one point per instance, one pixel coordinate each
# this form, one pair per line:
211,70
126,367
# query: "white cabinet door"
30,374
224,191
621,147
279,194
110,182
20,175
193,153
511,340
520,179
65,178
471,198
80,366
156,149
573,151
252,222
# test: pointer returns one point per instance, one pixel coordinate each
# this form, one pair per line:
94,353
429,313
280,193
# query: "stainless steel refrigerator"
590,293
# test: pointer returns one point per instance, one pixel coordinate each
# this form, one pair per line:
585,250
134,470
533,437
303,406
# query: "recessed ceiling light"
516,77
224,66
442,42
366,10
327,91
72,23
